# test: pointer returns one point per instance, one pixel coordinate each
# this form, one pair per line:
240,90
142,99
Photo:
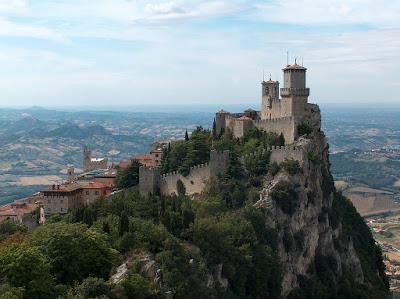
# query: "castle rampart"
281,153
151,181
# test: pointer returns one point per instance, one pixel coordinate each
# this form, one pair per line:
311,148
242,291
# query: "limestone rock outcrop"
307,231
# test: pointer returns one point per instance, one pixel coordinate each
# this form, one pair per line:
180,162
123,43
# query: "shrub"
285,197
291,166
274,168
180,187
128,177
304,129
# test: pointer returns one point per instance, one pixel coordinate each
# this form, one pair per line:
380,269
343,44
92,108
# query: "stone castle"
279,115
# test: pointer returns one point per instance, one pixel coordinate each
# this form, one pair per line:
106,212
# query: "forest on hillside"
188,240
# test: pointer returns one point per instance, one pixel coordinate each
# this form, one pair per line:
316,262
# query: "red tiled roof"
17,209
63,188
94,185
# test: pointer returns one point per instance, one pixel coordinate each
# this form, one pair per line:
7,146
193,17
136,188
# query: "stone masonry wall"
194,182
285,125
281,153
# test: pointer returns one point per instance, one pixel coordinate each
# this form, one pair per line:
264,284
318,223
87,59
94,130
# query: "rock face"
305,229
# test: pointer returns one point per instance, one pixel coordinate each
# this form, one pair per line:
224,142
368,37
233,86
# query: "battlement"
150,179
280,153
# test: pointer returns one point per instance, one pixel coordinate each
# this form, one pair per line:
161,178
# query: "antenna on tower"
270,78
287,57
263,76
295,60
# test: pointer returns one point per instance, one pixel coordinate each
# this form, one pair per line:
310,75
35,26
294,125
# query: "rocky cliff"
314,234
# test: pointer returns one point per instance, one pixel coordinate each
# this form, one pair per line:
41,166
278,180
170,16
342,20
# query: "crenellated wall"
194,182
150,180
281,153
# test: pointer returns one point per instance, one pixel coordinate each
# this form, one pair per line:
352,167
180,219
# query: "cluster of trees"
128,177
194,150
51,260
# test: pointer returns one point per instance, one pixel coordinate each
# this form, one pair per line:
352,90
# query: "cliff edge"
322,242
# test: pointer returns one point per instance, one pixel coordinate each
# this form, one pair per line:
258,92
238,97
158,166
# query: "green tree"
180,187
73,251
9,292
26,267
281,140
128,177
9,227
91,287
186,136
123,226
137,287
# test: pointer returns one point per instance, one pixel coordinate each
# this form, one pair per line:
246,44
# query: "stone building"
90,163
60,199
279,115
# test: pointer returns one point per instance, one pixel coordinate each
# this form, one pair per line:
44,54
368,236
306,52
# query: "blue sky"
125,52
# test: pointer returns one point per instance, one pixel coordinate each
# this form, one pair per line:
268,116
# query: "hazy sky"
121,52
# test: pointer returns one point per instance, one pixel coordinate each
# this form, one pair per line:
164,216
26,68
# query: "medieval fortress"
282,111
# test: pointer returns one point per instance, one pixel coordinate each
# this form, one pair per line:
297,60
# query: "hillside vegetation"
216,246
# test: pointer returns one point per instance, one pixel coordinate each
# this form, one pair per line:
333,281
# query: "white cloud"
331,12
11,5
8,28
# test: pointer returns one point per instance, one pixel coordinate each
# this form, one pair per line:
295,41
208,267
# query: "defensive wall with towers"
151,181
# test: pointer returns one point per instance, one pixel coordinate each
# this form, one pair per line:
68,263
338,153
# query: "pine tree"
106,227
214,130
186,136
281,139
87,217
123,226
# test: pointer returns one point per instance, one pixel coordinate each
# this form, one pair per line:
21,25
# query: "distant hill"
77,132
26,124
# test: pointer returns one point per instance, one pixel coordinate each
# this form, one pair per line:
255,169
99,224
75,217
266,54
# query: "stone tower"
220,121
294,92
87,158
71,173
270,99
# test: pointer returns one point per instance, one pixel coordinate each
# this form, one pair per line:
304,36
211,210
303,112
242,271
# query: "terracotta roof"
63,188
17,209
94,185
